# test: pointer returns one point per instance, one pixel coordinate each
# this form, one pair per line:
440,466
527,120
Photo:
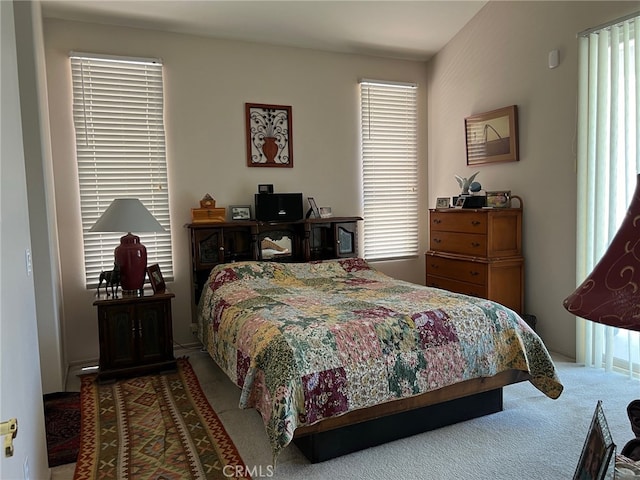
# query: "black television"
278,207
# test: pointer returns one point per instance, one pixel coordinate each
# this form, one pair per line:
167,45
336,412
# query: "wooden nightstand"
135,334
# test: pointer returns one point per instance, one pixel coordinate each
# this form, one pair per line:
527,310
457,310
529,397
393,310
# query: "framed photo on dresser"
442,202
155,278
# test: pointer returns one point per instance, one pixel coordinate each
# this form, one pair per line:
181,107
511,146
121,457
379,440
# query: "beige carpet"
534,437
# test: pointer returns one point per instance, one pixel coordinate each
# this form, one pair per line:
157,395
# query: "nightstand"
135,334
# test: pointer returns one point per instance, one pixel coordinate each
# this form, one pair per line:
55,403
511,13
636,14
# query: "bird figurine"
465,183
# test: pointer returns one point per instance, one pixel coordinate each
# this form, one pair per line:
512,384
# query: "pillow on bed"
325,269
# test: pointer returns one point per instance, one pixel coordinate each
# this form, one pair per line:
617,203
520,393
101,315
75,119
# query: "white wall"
207,82
20,387
500,59
39,171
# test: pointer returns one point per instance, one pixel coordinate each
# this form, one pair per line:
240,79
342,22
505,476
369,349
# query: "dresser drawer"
471,244
462,270
457,286
459,221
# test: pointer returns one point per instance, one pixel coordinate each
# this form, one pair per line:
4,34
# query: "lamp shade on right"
611,292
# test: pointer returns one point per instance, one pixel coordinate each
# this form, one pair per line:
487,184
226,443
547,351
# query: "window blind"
390,169
120,148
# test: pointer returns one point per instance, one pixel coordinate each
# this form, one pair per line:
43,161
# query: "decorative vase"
270,149
131,257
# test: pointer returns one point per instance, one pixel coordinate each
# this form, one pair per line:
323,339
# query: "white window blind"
390,169
120,145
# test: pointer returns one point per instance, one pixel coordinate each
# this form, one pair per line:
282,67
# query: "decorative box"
208,215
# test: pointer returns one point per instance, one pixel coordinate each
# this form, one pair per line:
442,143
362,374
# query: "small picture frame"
442,202
460,202
499,199
265,188
325,212
155,278
313,208
597,450
240,212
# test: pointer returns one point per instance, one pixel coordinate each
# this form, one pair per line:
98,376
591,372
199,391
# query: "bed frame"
368,427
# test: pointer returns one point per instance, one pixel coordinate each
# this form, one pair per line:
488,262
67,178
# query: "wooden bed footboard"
400,418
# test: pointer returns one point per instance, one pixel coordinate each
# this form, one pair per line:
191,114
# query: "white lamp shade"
127,215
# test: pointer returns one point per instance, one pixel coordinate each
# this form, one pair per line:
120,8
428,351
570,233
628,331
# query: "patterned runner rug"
153,427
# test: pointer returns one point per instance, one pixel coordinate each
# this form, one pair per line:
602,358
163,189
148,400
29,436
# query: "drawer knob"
434,266
437,240
475,223
437,221
475,244
474,274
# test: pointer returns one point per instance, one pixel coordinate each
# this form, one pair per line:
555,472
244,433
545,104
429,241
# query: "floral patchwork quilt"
308,341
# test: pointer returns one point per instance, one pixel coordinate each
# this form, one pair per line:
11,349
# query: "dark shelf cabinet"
135,335
307,240
333,240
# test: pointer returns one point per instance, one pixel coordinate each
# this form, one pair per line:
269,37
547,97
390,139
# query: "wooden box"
208,215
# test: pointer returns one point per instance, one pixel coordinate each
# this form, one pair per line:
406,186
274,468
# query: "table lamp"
127,215
611,292
610,295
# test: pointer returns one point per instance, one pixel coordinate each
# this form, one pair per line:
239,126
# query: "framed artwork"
325,212
492,137
499,199
442,202
265,188
313,208
156,279
597,450
460,202
268,135
240,212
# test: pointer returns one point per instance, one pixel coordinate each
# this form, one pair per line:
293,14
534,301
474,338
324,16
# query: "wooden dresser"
477,252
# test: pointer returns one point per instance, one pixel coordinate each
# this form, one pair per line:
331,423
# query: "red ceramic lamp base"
131,257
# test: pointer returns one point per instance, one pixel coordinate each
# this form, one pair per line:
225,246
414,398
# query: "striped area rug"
153,427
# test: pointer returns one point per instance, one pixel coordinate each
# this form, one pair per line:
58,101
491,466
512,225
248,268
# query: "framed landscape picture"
492,137
240,212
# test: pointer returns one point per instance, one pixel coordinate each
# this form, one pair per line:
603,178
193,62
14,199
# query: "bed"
325,347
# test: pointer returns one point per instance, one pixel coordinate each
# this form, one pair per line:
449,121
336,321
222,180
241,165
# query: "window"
608,164
389,169
120,148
